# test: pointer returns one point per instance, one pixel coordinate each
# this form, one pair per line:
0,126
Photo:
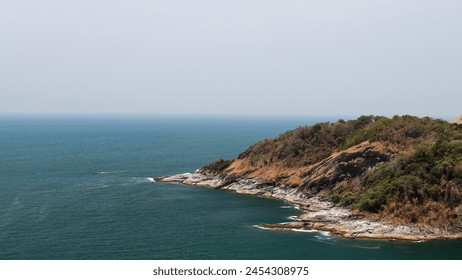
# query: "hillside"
404,170
457,120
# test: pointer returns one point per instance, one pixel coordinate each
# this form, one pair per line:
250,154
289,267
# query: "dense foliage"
305,145
430,172
217,166
309,144
424,167
433,171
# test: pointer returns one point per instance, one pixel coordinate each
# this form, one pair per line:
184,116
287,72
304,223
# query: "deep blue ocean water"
78,188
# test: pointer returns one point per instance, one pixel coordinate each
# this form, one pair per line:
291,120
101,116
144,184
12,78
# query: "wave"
265,228
324,236
110,172
42,214
367,247
324,239
99,187
45,191
320,236
139,180
286,206
16,201
295,218
324,233
304,230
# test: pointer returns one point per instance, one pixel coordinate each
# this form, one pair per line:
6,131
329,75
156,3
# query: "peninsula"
373,177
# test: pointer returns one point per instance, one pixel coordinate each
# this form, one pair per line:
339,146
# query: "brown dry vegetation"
406,169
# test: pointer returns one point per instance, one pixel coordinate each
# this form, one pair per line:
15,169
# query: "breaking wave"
304,230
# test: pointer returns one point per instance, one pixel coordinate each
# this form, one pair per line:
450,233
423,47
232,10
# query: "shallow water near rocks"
79,188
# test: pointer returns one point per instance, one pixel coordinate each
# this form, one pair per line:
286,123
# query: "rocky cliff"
372,177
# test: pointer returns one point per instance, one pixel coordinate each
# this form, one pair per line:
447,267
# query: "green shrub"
217,166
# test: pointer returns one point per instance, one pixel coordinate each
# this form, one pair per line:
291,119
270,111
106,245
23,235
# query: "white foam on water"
286,206
110,172
265,228
292,229
324,235
294,218
304,230
139,180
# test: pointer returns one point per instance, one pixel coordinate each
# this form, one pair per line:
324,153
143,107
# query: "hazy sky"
303,57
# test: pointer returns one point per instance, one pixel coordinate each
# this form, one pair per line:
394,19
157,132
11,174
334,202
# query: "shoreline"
317,214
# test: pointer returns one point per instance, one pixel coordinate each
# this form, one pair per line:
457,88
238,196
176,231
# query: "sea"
80,187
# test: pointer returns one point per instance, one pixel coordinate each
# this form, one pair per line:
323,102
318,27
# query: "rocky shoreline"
317,213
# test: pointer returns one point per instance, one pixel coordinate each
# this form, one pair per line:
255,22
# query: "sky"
239,57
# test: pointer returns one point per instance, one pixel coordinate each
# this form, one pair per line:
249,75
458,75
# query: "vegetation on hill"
421,185
217,166
310,144
420,181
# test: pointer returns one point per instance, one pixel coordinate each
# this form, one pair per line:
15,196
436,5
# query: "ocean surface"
74,187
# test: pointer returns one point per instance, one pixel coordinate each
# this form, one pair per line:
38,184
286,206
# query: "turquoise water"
77,188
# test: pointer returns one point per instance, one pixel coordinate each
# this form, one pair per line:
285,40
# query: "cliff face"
405,169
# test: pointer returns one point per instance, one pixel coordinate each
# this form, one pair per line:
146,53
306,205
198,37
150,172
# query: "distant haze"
259,57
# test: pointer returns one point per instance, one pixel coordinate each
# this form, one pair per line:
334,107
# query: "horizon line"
204,115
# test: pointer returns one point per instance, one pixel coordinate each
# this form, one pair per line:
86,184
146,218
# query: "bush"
217,166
